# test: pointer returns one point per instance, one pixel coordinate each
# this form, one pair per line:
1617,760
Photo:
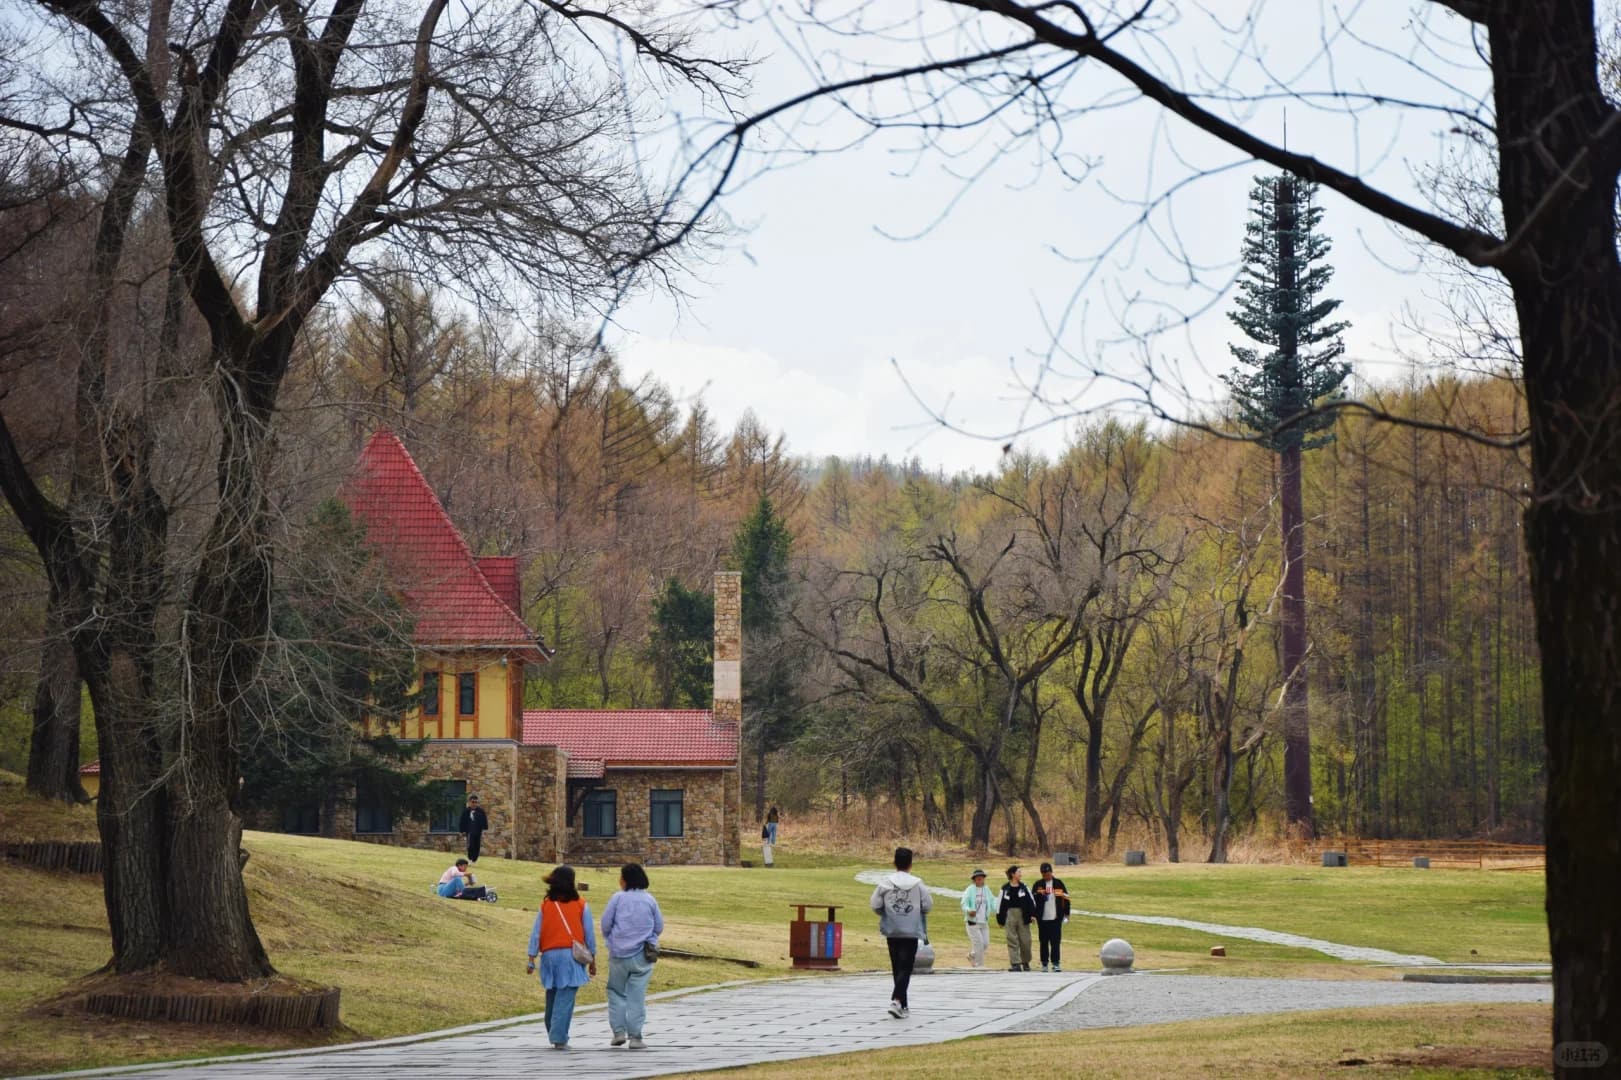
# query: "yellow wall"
494,704
92,784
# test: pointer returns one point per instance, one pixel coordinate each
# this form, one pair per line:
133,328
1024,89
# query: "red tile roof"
501,571
584,769
451,595
92,769
620,737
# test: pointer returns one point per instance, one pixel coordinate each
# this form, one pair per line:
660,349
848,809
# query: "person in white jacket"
978,908
902,901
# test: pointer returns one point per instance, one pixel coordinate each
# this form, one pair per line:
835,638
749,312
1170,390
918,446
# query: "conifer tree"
771,714
1281,307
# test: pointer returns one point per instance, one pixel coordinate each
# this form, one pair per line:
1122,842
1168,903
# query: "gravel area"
1131,1000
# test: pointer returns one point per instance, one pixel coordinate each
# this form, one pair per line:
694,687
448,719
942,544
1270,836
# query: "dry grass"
23,817
1472,1041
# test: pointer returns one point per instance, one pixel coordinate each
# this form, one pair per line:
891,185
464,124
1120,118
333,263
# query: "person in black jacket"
474,822
1015,913
1052,909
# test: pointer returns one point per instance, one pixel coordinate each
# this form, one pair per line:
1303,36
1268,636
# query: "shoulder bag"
577,949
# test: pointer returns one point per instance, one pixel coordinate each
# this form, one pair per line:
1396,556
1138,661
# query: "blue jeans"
628,977
560,1012
771,827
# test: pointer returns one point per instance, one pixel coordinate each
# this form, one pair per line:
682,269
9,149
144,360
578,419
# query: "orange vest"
553,934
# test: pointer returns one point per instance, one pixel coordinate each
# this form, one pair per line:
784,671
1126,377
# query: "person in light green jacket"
978,908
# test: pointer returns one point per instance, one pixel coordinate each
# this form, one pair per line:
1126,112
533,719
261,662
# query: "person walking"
903,904
474,822
631,925
1015,911
1052,912
563,921
771,820
976,908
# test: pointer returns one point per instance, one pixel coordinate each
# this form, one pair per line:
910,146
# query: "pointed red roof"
455,604
628,737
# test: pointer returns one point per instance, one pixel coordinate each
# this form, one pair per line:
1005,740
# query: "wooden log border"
80,858
278,1011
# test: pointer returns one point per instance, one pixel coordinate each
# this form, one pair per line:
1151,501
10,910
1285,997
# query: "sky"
863,295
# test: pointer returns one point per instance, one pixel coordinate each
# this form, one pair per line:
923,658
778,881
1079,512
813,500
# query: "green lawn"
362,916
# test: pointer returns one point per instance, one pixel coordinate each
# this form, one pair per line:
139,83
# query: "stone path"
686,1032
1164,999
1358,953
742,1023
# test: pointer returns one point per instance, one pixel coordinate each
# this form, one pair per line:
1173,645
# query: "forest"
1047,655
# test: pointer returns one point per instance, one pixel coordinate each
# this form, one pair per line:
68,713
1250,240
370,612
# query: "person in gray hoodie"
902,902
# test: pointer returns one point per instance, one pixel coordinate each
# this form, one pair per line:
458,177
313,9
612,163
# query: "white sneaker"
636,1042
618,1039
905,1012
895,1010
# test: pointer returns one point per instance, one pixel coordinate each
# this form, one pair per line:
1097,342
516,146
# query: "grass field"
1429,1042
362,917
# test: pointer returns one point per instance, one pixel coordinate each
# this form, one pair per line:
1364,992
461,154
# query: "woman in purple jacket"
631,923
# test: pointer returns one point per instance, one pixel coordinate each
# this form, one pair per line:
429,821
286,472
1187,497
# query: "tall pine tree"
771,714
1281,307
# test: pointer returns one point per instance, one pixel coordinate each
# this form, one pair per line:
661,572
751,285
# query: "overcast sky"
816,316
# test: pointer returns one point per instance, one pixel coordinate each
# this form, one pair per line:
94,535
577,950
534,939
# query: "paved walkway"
686,1032
739,1024
1165,999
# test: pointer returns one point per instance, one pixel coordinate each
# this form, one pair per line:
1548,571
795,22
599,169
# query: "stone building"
656,786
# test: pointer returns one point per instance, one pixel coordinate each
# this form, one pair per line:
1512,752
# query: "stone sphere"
1117,956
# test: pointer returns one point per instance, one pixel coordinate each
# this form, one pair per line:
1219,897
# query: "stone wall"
541,794
704,820
489,766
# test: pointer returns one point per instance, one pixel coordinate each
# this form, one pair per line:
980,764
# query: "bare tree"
1557,140
281,148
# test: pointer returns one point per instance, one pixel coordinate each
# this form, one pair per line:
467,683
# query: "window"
449,802
664,816
430,693
467,694
372,815
601,817
303,818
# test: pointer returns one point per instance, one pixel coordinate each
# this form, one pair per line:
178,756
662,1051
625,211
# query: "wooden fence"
81,858
1443,854
282,1011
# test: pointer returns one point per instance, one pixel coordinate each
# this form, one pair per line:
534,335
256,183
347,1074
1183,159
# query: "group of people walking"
563,946
903,904
1017,907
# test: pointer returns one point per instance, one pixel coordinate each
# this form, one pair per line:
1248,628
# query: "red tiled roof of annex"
633,736
92,769
455,603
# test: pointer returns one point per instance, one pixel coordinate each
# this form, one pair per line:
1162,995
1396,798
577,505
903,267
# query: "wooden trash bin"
812,945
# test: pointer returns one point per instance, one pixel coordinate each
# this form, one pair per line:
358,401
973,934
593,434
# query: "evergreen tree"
1282,308
682,646
339,652
771,714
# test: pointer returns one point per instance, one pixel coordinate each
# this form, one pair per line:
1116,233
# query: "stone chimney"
729,647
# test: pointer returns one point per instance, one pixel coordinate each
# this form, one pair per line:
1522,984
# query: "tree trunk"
53,750
1221,785
1093,813
1567,293
1296,728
